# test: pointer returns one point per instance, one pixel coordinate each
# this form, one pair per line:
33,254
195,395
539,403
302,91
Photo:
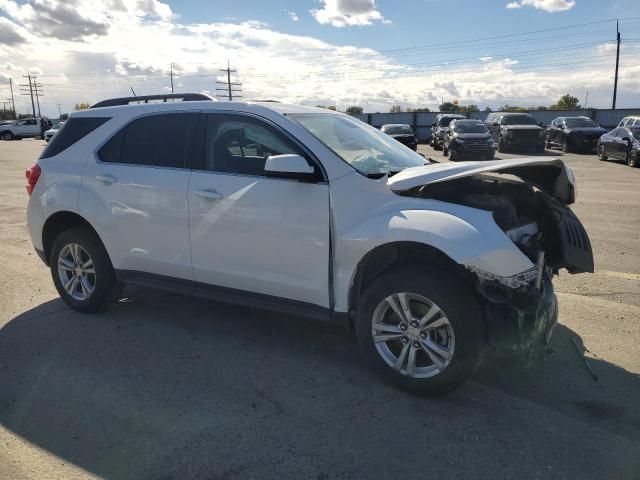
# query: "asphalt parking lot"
167,387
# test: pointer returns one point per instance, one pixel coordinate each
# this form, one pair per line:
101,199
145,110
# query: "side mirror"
496,124
626,139
433,124
541,124
289,166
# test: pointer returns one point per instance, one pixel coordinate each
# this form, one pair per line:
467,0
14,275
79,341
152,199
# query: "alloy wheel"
413,335
76,271
632,158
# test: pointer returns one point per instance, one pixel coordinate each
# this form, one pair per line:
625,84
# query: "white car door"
251,232
135,189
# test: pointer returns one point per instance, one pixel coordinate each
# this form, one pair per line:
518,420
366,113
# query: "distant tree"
469,108
487,109
566,102
353,110
511,108
396,109
418,109
24,115
81,106
449,107
540,107
64,116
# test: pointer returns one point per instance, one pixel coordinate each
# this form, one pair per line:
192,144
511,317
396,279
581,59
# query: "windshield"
367,149
445,121
518,120
580,122
470,128
398,130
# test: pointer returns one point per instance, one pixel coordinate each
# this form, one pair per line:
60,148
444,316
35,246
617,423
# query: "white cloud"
343,13
293,16
139,44
545,5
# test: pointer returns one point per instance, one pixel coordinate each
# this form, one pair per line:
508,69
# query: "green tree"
64,117
81,106
449,107
566,102
511,108
469,108
418,109
396,109
354,110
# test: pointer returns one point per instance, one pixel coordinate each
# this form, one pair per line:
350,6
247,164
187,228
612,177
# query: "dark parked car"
513,131
401,133
574,134
439,128
470,139
621,143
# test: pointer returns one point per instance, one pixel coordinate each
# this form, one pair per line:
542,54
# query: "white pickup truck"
26,128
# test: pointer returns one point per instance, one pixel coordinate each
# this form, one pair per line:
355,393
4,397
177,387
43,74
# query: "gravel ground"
167,387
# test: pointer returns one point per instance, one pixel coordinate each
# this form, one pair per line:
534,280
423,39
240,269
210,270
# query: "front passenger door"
251,232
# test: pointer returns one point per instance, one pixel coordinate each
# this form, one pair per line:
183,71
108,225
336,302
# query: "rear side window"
157,140
72,131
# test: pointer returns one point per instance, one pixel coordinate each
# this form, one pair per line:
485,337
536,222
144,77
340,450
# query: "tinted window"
623,132
580,122
470,127
518,120
237,144
398,130
157,140
73,130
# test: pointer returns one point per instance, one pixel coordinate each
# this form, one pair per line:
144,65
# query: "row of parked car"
460,137
28,128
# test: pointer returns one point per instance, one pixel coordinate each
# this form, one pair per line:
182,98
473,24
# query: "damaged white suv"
310,212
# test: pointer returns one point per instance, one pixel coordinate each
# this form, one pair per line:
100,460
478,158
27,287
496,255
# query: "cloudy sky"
331,52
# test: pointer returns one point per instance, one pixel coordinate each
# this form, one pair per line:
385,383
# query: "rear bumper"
520,324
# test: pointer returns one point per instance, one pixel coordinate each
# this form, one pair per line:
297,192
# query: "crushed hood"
548,174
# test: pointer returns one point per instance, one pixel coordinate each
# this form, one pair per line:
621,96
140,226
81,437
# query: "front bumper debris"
527,319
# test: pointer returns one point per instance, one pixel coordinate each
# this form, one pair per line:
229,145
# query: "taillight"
32,174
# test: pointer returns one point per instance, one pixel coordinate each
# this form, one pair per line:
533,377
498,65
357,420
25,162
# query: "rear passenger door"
251,232
135,188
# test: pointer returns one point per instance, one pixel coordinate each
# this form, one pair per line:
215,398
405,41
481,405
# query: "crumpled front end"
521,310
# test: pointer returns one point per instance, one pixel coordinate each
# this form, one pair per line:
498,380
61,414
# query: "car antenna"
132,91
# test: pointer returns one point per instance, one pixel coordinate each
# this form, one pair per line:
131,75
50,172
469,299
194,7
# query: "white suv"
310,212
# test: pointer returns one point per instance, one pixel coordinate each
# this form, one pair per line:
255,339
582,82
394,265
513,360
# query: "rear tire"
445,151
429,359
82,271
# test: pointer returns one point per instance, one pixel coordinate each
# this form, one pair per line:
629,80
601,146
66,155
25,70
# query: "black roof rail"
185,97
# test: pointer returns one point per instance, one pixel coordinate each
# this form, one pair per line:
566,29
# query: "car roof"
515,113
468,120
160,106
396,125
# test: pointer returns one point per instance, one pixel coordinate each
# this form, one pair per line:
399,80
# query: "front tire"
445,151
602,153
82,271
7,136
421,332
501,146
632,158
565,146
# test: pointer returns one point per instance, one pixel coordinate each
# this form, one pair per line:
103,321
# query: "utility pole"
59,111
229,84
30,92
586,100
37,87
615,81
171,73
13,102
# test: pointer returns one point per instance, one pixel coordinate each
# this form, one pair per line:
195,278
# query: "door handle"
108,179
208,194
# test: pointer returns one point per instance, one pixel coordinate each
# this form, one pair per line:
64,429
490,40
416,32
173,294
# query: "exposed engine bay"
533,220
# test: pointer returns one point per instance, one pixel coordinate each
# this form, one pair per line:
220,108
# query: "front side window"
241,145
156,140
367,149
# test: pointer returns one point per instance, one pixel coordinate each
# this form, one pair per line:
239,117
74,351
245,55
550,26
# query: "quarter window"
74,130
241,145
157,140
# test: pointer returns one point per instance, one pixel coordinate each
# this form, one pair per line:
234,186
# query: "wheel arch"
58,223
399,253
